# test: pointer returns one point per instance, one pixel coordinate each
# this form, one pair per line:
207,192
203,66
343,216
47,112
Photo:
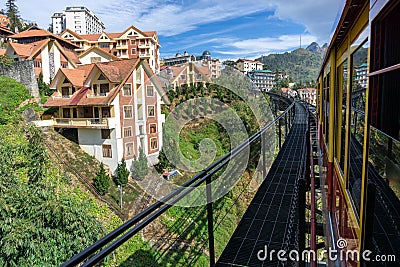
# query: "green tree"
44,88
37,155
5,61
139,167
12,13
102,180
122,173
163,163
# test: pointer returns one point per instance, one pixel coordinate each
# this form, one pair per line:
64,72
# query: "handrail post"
279,133
286,126
264,167
210,222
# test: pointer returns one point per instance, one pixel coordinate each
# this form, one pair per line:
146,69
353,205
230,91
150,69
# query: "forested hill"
301,64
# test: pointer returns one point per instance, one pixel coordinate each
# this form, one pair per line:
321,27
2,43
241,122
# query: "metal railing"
109,243
94,122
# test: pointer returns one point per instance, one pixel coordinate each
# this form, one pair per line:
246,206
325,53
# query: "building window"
105,134
153,143
128,112
104,89
183,77
127,90
133,51
107,152
65,91
149,90
129,149
133,42
128,131
153,128
151,112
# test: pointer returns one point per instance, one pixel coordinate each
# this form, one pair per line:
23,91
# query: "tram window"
359,71
385,84
384,144
341,112
326,107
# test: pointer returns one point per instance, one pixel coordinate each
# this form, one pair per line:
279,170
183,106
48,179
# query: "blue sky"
229,29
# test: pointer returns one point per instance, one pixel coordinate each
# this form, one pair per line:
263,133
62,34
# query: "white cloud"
171,18
167,17
317,16
266,45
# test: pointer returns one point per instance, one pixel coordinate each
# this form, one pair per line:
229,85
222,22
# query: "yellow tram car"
358,107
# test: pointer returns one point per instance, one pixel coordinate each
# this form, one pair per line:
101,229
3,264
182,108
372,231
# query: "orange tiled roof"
91,37
115,72
2,52
73,57
150,34
5,30
114,35
27,50
204,70
103,50
75,76
39,33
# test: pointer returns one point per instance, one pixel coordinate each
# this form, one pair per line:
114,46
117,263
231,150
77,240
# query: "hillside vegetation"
301,65
45,218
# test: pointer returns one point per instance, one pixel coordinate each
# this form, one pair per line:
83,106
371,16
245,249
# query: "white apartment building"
246,65
262,79
58,22
78,19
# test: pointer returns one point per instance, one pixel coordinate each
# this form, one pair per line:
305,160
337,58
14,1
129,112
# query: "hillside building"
308,95
262,79
246,65
114,106
189,73
78,19
49,52
132,43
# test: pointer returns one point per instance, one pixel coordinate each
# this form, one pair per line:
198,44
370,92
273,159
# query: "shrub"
139,167
102,181
122,173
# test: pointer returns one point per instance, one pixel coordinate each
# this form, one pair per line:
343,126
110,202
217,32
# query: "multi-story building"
262,79
361,75
178,59
49,52
308,95
114,106
246,65
58,22
131,43
215,67
288,92
78,19
189,73
204,59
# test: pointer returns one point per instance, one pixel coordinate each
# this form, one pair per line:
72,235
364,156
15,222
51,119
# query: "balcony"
146,55
122,46
103,123
144,46
97,95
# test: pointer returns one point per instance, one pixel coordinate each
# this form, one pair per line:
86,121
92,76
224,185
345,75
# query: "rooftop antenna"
300,40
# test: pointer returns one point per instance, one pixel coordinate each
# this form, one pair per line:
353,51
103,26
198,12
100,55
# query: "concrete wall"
91,142
23,72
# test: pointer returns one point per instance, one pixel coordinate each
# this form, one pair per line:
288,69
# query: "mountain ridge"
302,64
